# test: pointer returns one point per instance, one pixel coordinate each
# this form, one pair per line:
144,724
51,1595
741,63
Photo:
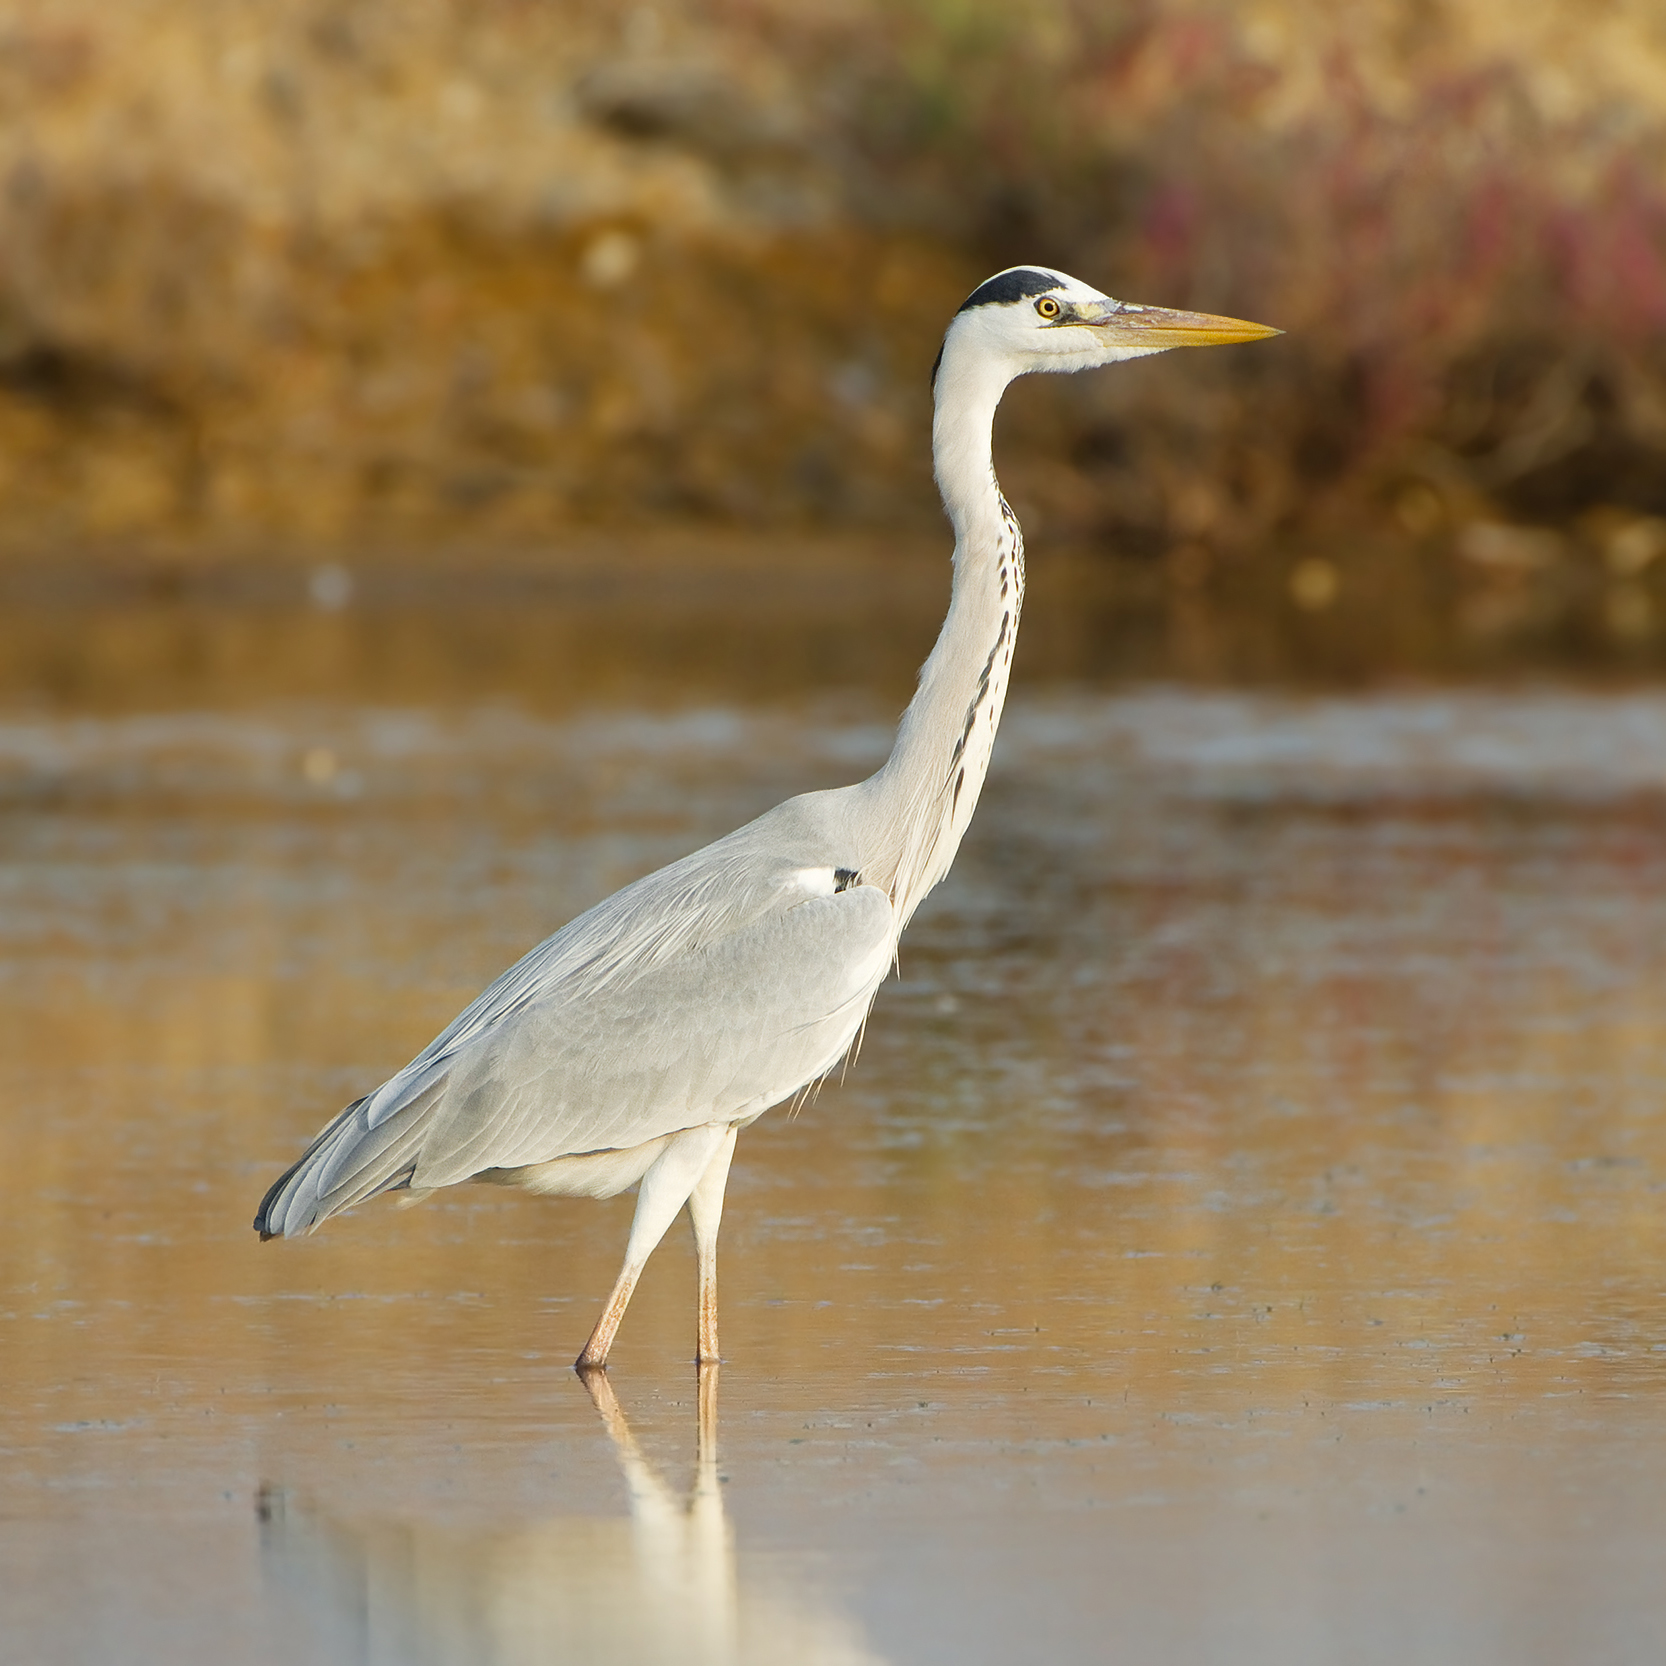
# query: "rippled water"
1241,1239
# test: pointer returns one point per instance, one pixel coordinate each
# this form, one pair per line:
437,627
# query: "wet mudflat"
1241,1238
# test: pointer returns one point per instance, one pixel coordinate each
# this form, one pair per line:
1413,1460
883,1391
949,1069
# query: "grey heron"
631,1047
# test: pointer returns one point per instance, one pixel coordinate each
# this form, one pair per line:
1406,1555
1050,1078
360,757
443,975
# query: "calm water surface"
1241,1239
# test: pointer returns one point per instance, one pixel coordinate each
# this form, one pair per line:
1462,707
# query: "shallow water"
1240,1239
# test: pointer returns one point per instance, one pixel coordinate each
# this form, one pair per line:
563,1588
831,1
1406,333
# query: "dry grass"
275,273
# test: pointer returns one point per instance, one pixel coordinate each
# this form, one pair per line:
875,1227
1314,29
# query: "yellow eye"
1047,307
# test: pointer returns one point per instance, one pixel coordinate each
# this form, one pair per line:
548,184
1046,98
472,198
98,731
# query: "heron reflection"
663,1585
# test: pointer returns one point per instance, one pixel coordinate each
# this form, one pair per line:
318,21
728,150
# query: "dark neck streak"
914,811
1012,596
925,795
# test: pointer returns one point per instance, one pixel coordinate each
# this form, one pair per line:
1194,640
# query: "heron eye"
1047,307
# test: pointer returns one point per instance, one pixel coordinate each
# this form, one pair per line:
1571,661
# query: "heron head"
1031,318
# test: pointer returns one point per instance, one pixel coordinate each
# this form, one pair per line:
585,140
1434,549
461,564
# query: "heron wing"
715,1034
656,920
707,991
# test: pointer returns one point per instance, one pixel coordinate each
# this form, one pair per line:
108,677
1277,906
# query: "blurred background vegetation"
304,281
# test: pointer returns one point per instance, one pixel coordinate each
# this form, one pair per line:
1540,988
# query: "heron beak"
1156,327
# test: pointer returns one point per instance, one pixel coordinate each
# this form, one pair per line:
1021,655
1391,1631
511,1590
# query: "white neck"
923,798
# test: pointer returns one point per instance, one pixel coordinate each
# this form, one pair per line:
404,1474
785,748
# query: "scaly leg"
664,1190
705,1212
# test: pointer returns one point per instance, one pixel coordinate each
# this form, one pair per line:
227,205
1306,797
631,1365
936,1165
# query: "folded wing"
660,1011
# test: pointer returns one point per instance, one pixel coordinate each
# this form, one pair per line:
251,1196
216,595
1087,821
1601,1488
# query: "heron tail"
348,1162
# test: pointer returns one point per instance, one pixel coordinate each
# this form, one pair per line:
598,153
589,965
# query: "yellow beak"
1164,327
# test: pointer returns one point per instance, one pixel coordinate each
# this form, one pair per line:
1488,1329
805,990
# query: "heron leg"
664,1190
705,1212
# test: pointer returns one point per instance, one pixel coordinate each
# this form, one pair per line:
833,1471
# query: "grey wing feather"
348,1162
620,938
719,1034
707,991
